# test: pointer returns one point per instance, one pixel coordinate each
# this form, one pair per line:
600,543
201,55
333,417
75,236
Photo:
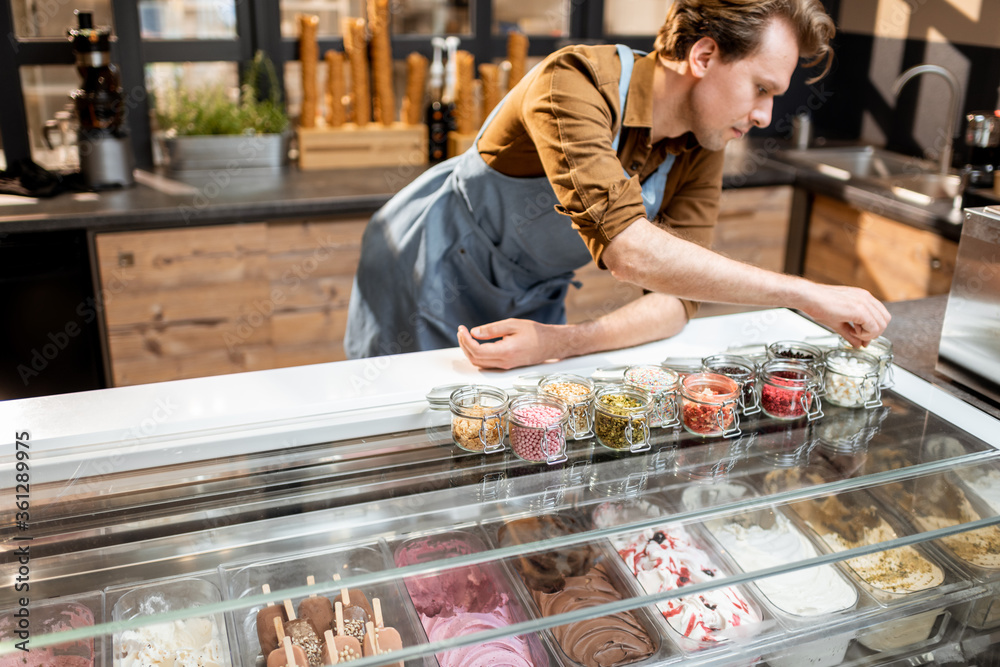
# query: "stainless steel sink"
908,178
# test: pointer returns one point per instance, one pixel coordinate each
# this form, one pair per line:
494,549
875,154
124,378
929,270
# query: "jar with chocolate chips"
743,372
479,418
621,418
796,350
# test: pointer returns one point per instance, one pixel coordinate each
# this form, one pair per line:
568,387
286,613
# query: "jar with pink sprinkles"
537,427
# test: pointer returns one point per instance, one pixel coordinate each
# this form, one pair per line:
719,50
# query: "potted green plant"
212,129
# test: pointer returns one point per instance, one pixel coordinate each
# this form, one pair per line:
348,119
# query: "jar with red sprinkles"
710,405
789,389
537,427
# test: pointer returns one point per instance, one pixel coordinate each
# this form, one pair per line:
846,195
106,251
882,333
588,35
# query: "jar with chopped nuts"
743,372
621,417
537,426
709,405
852,379
881,349
789,390
578,392
479,418
661,384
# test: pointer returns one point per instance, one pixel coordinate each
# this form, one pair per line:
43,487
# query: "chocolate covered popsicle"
386,639
356,609
348,647
317,609
266,637
288,654
303,634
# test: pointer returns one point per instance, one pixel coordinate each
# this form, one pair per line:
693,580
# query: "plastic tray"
55,615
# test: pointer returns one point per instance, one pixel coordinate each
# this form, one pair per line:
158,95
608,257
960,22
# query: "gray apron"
465,244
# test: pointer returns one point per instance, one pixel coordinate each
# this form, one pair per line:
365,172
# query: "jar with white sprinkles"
852,379
661,384
537,427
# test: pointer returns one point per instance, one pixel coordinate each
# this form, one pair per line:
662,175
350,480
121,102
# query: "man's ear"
702,55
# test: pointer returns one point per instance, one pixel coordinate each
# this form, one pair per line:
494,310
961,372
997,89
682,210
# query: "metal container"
969,351
231,153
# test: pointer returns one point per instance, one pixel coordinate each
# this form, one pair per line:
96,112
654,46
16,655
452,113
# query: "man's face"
734,96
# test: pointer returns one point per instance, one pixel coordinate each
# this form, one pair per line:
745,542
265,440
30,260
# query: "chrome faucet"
945,156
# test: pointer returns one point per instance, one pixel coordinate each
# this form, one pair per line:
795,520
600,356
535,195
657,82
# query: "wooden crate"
350,146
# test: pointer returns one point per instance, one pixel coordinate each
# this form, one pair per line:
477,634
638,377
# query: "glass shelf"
275,502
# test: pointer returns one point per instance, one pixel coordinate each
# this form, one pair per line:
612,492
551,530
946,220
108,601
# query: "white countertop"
80,435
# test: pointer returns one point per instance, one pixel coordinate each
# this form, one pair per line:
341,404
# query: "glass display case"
868,536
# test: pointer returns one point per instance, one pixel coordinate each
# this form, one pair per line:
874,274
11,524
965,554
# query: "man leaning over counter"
599,154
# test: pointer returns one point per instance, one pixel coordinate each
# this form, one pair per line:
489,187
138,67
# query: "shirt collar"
639,104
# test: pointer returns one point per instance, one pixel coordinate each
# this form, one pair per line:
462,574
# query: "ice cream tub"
893,576
50,616
464,600
763,538
669,557
316,613
193,640
556,581
941,501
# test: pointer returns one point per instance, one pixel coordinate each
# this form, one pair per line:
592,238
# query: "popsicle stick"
377,608
289,655
266,588
339,613
345,595
331,647
279,629
311,580
290,610
373,638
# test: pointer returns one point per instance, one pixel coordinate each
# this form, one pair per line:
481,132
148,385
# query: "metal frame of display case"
354,451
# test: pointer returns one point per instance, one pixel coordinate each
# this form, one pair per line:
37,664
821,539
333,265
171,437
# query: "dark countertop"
219,197
915,332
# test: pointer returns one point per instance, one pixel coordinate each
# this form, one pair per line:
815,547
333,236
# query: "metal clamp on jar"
710,405
661,384
578,393
621,418
790,389
536,428
852,379
479,418
743,372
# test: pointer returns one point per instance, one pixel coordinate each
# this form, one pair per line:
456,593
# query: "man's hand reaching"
522,343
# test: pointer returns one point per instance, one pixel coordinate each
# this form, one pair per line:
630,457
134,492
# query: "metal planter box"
230,152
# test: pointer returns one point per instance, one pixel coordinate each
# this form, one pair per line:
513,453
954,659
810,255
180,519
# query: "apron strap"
656,183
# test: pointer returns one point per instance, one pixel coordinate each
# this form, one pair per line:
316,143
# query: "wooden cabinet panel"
203,301
891,259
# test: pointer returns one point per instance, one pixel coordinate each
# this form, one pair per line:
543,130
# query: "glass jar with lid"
683,366
851,379
578,393
661,384
796,350
537,427
479,418
789,389
881,349
621,417
743,372
710,405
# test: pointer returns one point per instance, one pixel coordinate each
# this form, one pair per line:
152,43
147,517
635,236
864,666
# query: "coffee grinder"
106,158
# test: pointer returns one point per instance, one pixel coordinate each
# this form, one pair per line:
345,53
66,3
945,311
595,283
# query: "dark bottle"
99,101
440,121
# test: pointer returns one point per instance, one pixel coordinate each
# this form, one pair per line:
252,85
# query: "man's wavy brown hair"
738,25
